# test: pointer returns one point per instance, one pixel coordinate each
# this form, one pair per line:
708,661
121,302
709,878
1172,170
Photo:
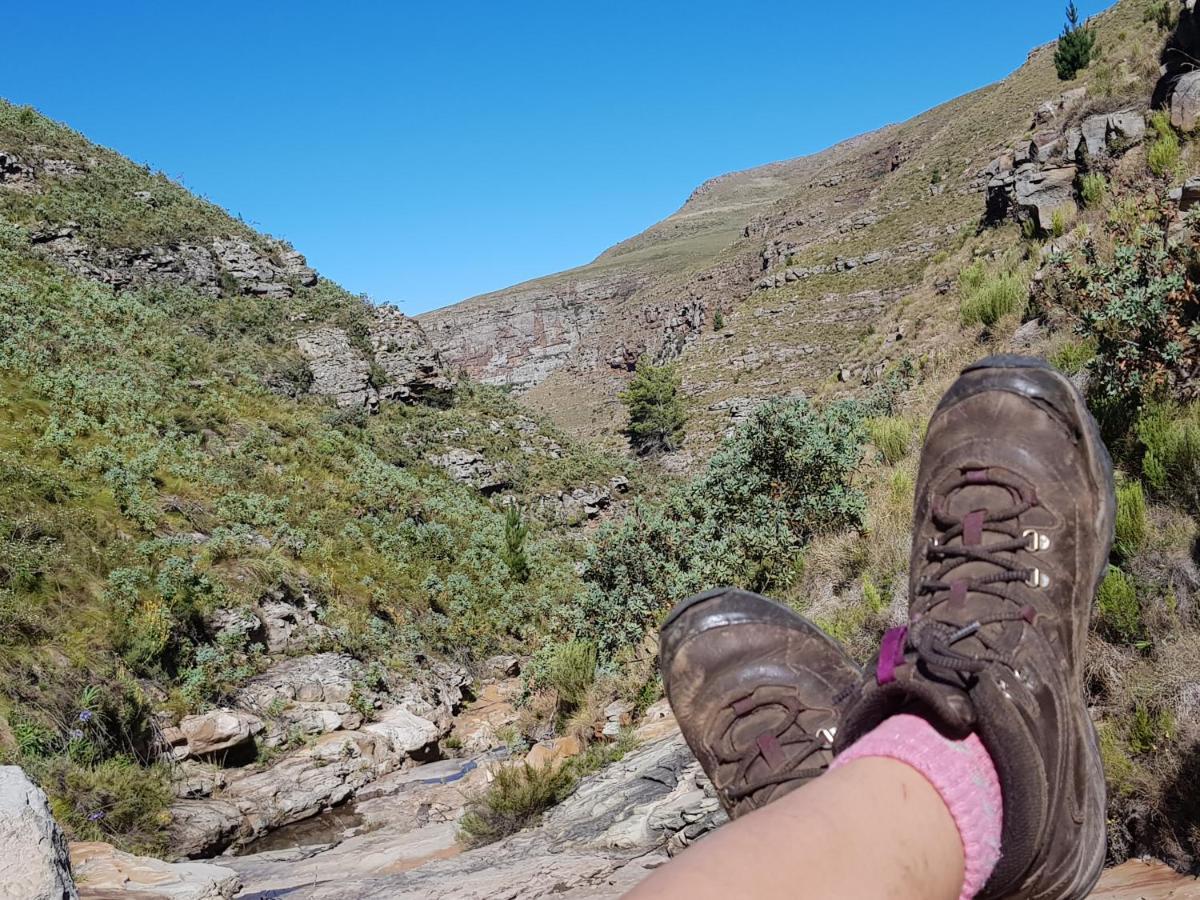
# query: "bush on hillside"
988,297
1164,153
1092,189
1163,13
1137,305
656,412
1170,437
784,476
892,437
1075,46
513,551
1118,612
568,669
1132,527
516,798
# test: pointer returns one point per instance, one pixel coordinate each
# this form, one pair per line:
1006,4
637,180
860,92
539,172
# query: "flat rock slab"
1137,880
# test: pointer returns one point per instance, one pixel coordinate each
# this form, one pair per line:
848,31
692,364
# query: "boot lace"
937,625
786,756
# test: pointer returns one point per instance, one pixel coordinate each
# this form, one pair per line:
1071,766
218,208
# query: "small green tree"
1075,46
513,552
656,412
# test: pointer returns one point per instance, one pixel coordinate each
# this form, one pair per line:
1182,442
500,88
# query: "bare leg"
872,830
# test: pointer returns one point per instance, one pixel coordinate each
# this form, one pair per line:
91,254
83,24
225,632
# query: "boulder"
319,776
308,695
1185,101
1039,192
1188,195
553,752
471,467
203,827
1107,134
658,721
502,665
478,727
404,732
104,870
34,862
290,621
218,731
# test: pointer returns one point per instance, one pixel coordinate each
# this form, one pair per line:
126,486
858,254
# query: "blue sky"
424,152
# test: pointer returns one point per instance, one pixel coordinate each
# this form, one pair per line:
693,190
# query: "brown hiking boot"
755,688
1011,533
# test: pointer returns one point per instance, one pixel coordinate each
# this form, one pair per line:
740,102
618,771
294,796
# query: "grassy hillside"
150,478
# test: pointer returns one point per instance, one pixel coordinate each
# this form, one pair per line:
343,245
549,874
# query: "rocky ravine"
400,842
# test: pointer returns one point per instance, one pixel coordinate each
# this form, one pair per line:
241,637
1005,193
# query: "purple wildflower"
85,715
96,816
76,734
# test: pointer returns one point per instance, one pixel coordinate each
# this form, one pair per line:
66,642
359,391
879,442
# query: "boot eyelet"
1035,540
1038,579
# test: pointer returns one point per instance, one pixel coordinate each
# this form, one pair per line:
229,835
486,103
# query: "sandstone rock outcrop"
473,468
322,701
15,175
268,270
410,367
582,504
34,863
215,733
339,371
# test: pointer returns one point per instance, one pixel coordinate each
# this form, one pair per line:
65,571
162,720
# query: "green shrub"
1093,188
718,320
656,411
516,798
986,299
1076,46
513,551
1060,221
1150,729
892,437
1117,610
1163,155
1073,357
1137,306
1170,436
571,671
783,476
1132,527
1162,13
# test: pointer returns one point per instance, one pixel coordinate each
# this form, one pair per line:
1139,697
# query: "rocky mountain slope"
821,270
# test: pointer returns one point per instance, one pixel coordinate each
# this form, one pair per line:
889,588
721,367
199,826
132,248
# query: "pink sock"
963,775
